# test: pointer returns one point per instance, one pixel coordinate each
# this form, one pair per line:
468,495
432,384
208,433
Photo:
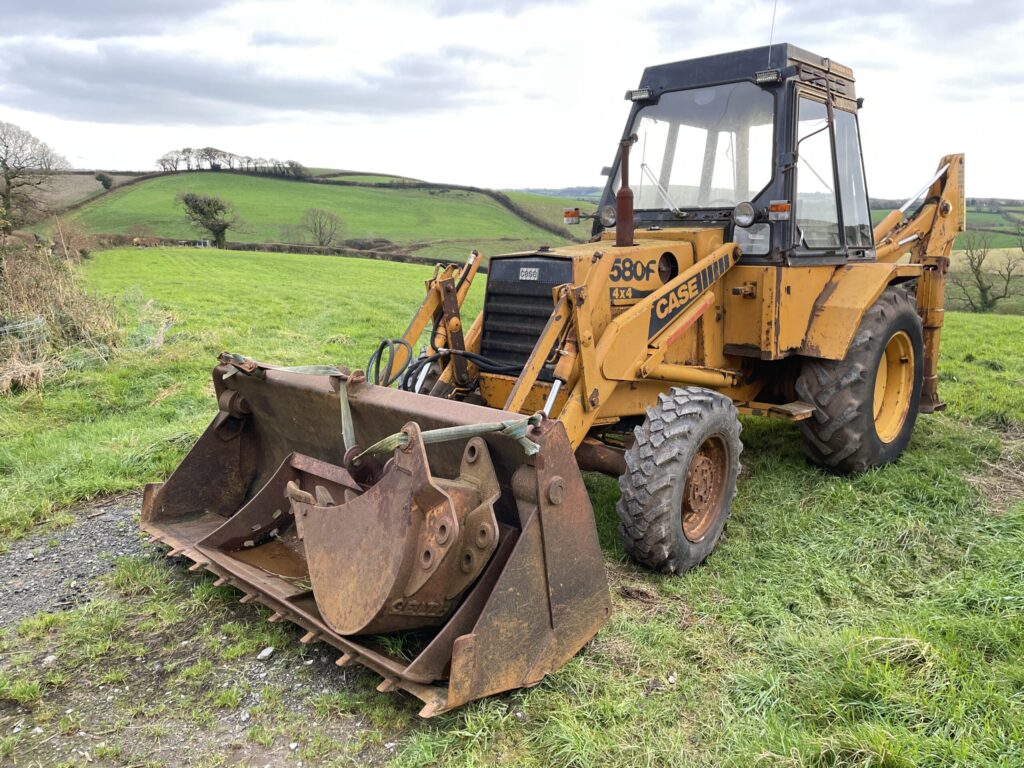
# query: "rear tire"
680,479
866,404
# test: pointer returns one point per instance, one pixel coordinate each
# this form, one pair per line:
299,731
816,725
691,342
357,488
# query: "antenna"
771,35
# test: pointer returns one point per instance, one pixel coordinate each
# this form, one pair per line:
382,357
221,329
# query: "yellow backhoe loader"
437,497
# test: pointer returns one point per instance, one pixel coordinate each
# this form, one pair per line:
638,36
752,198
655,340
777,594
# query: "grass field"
990,221
869,621
369,178
270,207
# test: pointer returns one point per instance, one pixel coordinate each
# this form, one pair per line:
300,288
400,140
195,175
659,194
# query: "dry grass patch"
48,322
1002,482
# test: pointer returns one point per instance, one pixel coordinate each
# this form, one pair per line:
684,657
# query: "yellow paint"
842,304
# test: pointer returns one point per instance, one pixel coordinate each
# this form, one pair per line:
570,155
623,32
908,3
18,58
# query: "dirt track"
57,569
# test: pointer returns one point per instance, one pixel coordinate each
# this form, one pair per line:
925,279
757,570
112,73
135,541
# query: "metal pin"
552,396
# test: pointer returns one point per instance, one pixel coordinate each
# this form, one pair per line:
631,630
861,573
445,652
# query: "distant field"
366,178
550,209
68,188
989,220
271,210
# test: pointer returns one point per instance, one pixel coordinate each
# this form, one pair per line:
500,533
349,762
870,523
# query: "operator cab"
764,142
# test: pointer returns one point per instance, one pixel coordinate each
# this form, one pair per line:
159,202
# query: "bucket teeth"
246,599
345,659
275,617
221,581
198,566
175,552
430,709
309,637
387,684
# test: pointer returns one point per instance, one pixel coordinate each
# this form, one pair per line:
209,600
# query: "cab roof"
791,60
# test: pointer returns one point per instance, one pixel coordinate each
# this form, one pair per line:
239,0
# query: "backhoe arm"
928,235
930,231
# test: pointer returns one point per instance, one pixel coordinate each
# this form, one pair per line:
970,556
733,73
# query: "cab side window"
852,189
817,210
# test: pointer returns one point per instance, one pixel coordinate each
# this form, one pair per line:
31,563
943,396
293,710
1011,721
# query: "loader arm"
445,293
633,345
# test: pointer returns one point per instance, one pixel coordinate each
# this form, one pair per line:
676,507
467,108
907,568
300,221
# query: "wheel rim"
704,492
894,386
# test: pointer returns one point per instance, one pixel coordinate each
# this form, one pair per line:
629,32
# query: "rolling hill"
422,216
415,215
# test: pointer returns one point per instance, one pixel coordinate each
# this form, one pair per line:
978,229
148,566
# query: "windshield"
702,148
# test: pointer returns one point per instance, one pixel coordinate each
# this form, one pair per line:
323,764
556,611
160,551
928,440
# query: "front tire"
866,404
680,479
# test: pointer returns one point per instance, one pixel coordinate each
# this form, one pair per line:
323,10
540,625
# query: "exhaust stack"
624,197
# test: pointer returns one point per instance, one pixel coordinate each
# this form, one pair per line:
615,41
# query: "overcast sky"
499,93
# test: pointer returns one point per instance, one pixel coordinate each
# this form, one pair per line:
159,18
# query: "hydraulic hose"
483,363
373,365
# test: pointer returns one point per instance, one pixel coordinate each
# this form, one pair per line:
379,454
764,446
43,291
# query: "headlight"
743,215
607,216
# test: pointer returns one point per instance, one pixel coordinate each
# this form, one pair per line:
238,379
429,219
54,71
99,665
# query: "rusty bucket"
483,560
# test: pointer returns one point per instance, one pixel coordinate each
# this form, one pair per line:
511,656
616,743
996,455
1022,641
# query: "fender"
838,312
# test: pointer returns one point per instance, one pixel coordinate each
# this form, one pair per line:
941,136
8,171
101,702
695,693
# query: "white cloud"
501,93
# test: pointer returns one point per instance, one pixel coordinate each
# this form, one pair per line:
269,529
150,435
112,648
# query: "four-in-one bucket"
481,561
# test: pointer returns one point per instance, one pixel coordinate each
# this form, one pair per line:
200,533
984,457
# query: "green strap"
348,429
515,429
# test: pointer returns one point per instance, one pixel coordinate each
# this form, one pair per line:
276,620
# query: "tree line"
213,159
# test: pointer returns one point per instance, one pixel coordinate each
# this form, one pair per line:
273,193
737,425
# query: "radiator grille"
516,310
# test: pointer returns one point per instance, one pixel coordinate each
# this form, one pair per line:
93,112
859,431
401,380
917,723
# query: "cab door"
831,219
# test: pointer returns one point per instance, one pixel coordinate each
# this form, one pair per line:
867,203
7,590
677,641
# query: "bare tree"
169,161
322,226
26,164
296,169
982,282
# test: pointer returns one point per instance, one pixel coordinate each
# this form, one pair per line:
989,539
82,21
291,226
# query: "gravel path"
57,569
